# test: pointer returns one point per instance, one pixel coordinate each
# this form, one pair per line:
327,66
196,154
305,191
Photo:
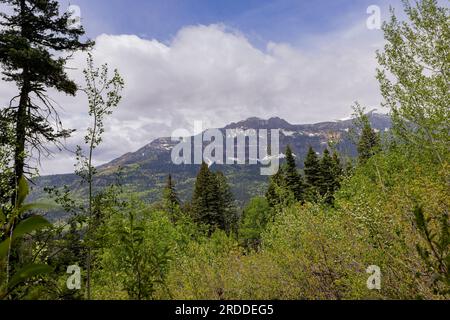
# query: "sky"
219,62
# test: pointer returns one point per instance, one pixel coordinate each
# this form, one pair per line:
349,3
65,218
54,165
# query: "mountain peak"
258,123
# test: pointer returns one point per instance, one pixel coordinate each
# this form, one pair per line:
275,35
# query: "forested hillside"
333,213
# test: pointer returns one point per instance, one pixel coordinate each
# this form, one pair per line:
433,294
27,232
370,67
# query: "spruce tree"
206,199
35,44
227,217
200,203
312,175
338,171
171,201
293,179
213,202
369,141
327,177
275,182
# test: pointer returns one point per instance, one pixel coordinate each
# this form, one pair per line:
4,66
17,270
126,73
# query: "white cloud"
216,75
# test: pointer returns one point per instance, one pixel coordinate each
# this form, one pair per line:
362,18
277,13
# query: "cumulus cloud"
215,74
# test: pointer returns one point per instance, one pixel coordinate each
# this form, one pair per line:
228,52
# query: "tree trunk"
21,117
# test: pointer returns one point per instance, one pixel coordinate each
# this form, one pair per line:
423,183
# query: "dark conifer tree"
369,141
293,179
338,171
206,199
275,182
35,43
327,177
200,199
312,175
171,201
227,217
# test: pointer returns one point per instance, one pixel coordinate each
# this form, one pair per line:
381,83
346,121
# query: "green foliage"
273,194
227,208
12,230
103,93
318,252
212,201
35,44
204,269
414,76
391,212
323,176
171,202
256,216
205,200
136,250
313,255
312,175
436,254
368,143
286,186
27,272
6,160
293,179
311,239
330,176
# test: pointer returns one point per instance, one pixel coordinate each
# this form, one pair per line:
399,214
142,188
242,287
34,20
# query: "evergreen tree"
32,39
293,180
227,217
338,171
213,202
278,195
171,201
275,182
286,181
206,199
327,177
312,175
326,172
369,141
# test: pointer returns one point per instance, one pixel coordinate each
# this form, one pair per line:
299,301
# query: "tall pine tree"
228,218
35,43
272,193
338,171
312,175
205,202
327,177
171,201
293,179
369,141
212,201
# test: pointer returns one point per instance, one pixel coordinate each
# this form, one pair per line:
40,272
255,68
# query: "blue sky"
260,20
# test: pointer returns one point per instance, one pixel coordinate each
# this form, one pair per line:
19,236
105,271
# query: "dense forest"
316,234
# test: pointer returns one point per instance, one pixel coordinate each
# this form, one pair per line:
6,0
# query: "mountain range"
145,171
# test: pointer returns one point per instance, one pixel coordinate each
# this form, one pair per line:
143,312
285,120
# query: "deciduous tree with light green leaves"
414,75
104,94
